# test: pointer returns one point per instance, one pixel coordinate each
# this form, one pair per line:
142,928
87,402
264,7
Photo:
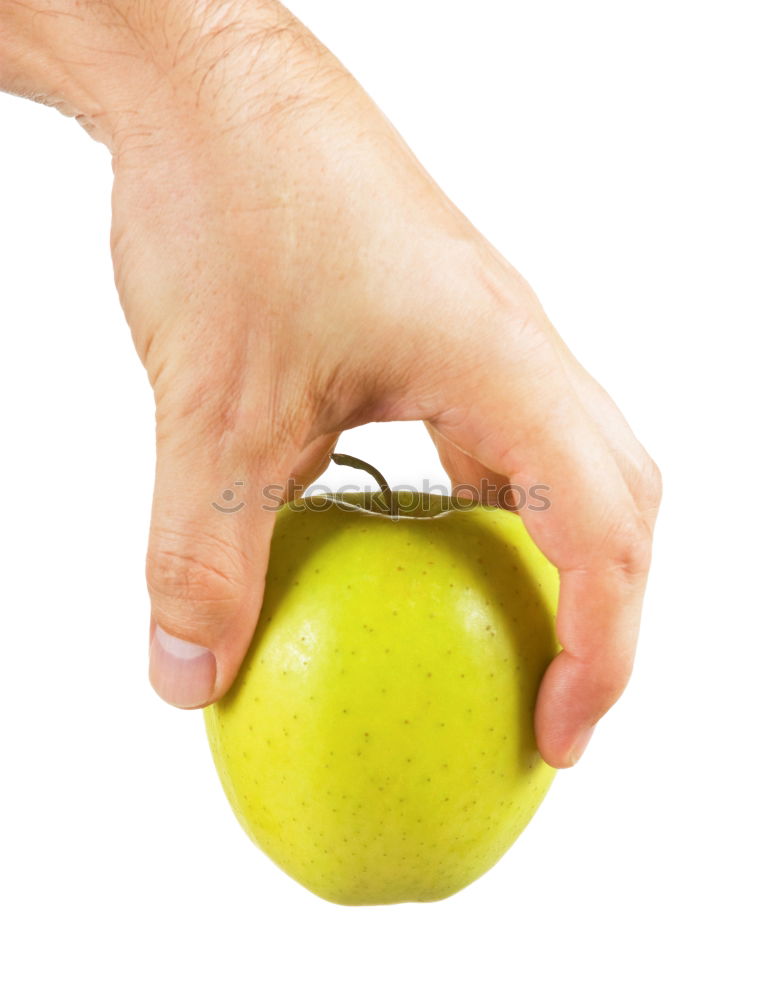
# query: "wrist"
122,66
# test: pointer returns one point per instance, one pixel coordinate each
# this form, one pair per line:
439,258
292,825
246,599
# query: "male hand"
289,270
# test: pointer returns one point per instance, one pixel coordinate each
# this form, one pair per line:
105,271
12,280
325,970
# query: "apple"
378,743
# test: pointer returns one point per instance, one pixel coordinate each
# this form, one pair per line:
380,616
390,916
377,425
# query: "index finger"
593,531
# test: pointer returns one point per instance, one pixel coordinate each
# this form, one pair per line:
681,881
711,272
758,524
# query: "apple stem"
357,463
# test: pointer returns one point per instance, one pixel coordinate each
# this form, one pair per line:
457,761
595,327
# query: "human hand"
289,270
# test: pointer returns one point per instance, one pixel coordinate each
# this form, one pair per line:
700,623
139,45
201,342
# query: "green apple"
378,743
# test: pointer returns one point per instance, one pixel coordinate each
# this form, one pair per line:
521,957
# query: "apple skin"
378,743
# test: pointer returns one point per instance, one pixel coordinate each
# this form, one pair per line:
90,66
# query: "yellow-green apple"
378,743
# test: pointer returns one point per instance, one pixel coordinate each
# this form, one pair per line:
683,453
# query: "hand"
289,270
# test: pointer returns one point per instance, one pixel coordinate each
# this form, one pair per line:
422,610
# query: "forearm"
122,64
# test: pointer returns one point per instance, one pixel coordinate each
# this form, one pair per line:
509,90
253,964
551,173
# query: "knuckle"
228,409
652,485
205,406
193,575
629,548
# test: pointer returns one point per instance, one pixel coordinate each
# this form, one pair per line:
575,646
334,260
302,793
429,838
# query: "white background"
611,151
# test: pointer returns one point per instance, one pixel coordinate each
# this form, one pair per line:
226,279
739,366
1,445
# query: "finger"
638,469
211,526
311,463
593,532
471,478
462,470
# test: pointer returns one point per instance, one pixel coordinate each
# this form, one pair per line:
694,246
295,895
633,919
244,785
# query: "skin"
288,270
378,742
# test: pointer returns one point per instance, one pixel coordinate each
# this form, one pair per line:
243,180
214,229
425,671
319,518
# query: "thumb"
211,527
